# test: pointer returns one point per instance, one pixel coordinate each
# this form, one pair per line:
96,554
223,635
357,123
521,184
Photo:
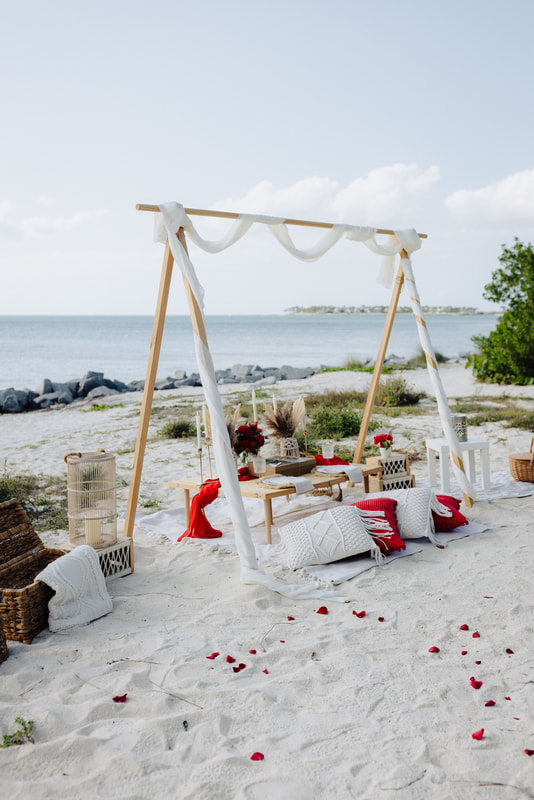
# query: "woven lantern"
92,499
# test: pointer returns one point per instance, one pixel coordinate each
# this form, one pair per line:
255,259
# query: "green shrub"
396,392
177,429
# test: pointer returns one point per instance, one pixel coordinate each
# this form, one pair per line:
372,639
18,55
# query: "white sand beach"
340,706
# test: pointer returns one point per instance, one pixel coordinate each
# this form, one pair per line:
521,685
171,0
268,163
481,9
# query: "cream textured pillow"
414,511
326,537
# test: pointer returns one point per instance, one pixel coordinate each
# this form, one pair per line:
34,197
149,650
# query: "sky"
385,113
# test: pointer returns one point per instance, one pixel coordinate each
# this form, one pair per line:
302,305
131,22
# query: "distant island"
382,310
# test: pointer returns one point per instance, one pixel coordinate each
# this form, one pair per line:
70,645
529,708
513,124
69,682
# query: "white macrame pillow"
414,511
327,536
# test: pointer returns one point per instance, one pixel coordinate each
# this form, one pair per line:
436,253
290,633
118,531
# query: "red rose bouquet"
249,439
384,440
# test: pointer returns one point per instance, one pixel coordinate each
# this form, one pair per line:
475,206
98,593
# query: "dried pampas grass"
283,422
231,420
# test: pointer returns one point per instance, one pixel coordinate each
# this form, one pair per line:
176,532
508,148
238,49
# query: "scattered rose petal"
236,669
476,684
266,671
516,717
488,597
290,619
230,660
322,610
478,662
120,698
478,734
489,703
464,652
510,652
282,641
213,655
381,619
433,649
507,698
252,652
440,546
529,752
476,635
464,627
242,666
359,614
257,757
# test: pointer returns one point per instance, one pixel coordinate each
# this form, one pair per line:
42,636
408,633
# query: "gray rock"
191,381
46,400
87,384
270,380
165,383
295,373
91,374
394,359
119,386
70,386
136,386
45,387
13,401
223,381
65,398
179,375
241,371
101,391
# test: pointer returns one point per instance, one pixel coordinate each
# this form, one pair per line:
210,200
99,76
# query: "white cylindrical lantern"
92,499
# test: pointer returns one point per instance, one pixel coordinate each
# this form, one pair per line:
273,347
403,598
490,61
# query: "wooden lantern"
92,499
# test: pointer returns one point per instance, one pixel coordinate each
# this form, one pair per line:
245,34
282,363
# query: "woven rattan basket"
23,604
522,465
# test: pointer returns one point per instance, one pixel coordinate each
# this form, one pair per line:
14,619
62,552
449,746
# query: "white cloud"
387,196
5,208
509,201
33,226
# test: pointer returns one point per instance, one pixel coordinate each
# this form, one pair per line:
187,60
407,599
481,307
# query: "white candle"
275,407
93,531
206,422
199,439
304,417
254,408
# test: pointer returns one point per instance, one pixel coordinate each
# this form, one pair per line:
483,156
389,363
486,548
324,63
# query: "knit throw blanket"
80,589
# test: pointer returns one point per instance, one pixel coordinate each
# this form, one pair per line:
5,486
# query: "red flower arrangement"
384,440
249,439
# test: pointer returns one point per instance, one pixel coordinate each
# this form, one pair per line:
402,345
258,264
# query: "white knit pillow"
327,536
414,511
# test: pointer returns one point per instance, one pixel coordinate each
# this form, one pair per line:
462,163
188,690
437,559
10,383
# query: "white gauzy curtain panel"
167,225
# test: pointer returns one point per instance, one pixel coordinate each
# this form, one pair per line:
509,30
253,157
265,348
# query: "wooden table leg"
268,518
187,506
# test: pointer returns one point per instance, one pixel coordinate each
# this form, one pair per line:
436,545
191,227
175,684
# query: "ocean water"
60,348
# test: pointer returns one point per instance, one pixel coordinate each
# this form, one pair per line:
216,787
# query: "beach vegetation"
43,498
507,354
147,502
419,359
394,392
504,409
22,735
177,429
102,407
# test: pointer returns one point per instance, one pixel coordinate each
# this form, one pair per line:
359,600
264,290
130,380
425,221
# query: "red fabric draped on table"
322,462
199,526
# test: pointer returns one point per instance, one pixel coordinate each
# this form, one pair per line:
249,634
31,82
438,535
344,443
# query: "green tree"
507,354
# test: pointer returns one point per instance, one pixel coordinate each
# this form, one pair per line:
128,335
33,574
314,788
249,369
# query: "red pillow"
382,529
446,524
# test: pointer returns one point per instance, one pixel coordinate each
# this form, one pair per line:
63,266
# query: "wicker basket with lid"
522,465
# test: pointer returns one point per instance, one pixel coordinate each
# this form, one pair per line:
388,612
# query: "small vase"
385,452
289,447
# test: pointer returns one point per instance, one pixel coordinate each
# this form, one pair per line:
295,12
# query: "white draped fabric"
443,406
167,225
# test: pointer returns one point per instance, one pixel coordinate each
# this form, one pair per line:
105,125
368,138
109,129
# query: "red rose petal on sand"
433,649
242,666
476,635
478,734
516,717
290,619
252,652
510,652
476,684
489,703
381,619
257,757
488,597
464,627
440,547
478,662
507,698
230,660
322,610
236,669
266,671
529,752
359,614
282,641
464,652
120,698
213,655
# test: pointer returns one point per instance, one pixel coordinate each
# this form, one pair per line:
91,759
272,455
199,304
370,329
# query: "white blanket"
80,589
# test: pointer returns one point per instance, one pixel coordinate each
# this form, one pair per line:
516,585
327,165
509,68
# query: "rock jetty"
94,385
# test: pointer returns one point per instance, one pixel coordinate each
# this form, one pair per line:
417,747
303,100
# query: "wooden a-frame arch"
199,328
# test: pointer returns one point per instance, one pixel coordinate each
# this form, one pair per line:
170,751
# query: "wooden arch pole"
148,392
377,372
